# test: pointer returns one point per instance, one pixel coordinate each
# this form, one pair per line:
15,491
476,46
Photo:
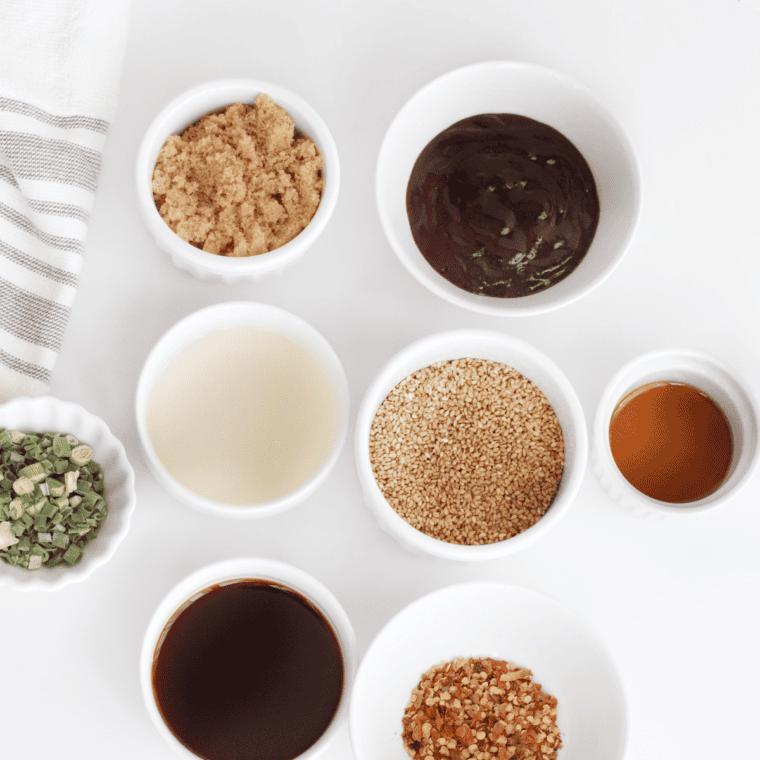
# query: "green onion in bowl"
52,498
60,490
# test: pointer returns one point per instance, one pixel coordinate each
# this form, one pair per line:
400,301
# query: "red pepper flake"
483,709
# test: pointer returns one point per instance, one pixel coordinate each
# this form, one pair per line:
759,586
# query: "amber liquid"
248,671
672,442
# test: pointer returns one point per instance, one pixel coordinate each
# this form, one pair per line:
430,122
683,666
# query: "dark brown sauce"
672,442
502,205
248,671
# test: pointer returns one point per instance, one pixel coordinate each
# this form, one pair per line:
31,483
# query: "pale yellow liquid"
242,416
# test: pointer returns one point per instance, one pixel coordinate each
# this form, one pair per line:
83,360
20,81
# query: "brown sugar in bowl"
475,349
188,108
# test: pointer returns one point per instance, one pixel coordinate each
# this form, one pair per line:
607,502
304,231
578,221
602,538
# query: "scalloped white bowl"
48,413
188,107
708,374
540,93
478,344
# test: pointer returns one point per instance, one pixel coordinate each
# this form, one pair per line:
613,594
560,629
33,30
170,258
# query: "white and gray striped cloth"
60,62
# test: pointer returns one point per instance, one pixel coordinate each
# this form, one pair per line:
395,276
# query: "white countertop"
675,601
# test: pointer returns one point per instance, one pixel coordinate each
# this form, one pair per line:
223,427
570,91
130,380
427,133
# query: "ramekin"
188,108
708,374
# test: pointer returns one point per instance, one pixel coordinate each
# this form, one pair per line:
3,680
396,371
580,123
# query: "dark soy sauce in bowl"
248,669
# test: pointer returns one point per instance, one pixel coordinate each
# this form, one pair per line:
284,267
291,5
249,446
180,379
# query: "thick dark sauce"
502,205
249,671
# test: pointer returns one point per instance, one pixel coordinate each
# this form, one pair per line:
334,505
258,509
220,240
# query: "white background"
675,601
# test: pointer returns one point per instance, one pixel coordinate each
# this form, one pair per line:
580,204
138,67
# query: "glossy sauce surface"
248,671
671,441
502,205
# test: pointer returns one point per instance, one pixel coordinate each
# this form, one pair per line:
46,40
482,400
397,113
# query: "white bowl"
241,569
189,107
222,316
513,624
541,94
477,344
708,374
45,413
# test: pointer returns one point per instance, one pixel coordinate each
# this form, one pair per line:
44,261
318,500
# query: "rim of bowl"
255,568
157,133
599,643
436,283
125,490
239,313
613,393
392,373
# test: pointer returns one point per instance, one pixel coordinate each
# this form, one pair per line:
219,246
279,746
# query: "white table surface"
675,601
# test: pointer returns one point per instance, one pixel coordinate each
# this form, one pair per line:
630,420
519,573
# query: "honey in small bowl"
671,441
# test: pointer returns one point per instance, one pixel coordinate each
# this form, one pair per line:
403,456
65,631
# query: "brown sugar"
483,709
467,451
239,182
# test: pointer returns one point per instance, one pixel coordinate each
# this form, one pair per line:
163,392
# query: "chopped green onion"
81,454
52,498
61,447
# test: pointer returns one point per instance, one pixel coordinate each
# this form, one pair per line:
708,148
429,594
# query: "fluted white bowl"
45,413
713,377
187,108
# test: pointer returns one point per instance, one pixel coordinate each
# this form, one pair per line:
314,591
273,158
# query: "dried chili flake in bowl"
483,709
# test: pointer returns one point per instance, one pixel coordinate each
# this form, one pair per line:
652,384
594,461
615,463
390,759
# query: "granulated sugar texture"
467,451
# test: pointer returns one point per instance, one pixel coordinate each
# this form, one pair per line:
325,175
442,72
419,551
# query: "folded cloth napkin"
60,64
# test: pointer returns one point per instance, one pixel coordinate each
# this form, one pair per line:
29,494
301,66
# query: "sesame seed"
468,451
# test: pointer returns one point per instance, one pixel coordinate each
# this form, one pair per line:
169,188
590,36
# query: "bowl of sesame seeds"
470,445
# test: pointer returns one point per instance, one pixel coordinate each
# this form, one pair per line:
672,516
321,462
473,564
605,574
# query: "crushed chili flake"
483,709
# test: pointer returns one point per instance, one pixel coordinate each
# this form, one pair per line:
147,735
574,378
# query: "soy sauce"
249,670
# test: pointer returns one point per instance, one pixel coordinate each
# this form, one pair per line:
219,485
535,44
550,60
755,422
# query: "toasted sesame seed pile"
482,709
467,451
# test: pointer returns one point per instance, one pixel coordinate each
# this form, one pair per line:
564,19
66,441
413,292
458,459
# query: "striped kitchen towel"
60,64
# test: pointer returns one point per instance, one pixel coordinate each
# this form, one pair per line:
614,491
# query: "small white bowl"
513,624
45,413
223,316
477,344
188,108
539,93
256,569
708,374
